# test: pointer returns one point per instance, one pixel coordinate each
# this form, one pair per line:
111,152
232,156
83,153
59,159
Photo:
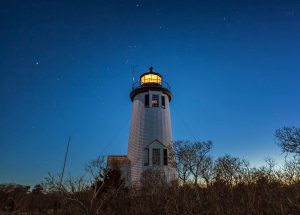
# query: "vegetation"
226,185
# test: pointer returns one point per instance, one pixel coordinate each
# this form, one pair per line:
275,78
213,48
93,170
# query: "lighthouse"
150,139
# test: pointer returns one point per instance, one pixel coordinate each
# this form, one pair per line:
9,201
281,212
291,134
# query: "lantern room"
150,81
151,78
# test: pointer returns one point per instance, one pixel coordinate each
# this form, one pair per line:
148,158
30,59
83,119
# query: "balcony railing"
138,84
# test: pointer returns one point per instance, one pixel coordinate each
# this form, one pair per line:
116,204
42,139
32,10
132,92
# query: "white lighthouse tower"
150,139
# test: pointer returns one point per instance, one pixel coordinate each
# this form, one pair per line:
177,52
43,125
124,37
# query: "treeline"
226,185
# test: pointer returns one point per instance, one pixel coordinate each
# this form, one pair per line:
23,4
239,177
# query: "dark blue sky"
66,69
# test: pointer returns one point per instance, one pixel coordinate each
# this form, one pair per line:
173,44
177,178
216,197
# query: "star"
36,63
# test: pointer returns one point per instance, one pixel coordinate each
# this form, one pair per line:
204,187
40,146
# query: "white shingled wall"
148,125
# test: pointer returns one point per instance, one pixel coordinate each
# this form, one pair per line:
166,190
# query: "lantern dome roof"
150,81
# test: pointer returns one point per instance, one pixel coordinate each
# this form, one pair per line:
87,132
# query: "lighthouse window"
165,157
146,157
146,100
155,100
163,103
155,157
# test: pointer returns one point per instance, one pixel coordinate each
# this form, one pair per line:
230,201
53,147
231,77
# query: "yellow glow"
151,78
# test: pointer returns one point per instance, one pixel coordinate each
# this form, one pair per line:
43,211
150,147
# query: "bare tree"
288,139
105,183
228,169
71,191
199,160
182,155
98,172
192,160
87,195
291,170
206,170
269,169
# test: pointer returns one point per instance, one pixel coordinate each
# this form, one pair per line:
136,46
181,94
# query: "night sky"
66,70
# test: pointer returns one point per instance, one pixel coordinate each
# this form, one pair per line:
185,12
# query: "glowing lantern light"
151,79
